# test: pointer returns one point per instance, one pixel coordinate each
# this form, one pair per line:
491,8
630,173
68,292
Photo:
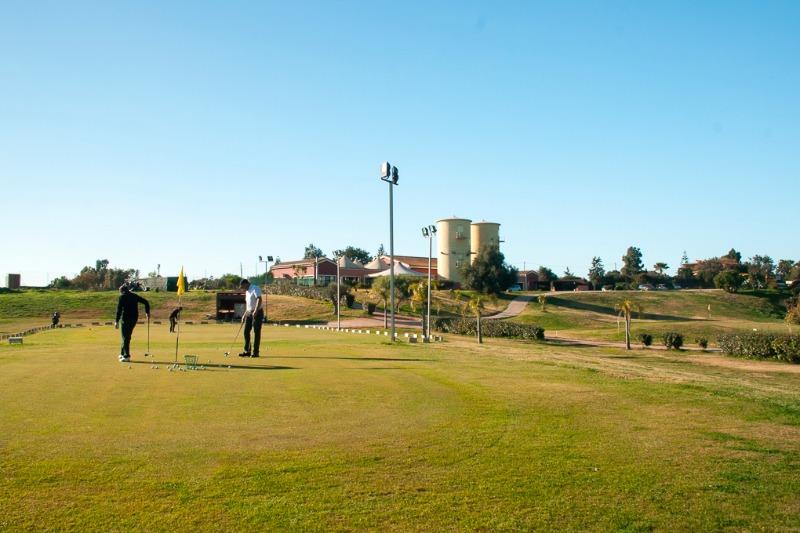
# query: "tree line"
98,277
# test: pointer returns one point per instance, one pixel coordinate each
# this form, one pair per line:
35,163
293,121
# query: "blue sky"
204,134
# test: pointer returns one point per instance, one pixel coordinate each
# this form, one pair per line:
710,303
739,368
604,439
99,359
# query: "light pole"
428,233
266,269
390,175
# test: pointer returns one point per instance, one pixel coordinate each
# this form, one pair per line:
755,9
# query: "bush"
489,328
728,280
702,342
349,299
787,348
646,339
314,293
673,340
761,346
371,308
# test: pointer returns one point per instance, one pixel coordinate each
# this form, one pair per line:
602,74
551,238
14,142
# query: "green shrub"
371,308
787,348
761,346
750,345
315,293
646,339
728,280
672,340
702,342
489,328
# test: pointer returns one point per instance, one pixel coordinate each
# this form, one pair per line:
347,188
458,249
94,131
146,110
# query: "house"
726,262
160,283
528,280
413,262
571,283
323,269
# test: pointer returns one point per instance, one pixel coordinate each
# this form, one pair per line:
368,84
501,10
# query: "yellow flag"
181,284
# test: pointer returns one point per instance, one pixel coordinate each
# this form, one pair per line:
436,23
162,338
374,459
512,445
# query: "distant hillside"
28,308
593,314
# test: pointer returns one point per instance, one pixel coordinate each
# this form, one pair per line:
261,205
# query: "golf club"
147,353
234,339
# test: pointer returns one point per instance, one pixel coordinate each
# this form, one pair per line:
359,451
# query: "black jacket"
128,307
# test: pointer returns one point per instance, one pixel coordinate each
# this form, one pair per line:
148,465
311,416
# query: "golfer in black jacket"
128,312
173,318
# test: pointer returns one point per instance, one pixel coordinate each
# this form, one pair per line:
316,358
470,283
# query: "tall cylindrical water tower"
482,234
454,247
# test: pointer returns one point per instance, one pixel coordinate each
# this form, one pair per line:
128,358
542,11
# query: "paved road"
514,308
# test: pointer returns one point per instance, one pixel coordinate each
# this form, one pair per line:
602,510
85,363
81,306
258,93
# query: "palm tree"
476,305
419,298
382,291
626,308
660,267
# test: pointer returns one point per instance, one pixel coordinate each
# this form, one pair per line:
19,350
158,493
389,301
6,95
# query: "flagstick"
181,289
178,335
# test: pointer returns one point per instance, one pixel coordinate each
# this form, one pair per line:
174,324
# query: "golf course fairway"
339,431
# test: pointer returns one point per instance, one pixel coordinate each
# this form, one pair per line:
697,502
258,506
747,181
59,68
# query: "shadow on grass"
606,310
219,365
344,358
572,343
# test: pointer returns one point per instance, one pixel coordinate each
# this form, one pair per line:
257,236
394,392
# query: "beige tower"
454,247
482,234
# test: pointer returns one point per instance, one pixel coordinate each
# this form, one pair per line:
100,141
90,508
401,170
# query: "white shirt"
251,297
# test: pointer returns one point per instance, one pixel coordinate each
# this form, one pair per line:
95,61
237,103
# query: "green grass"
344,432
592,315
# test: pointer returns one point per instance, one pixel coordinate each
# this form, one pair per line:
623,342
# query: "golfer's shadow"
221,366
345,358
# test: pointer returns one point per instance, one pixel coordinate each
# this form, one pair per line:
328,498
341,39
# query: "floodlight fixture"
386,170
395,175
260,259
432,228
425,232
269,258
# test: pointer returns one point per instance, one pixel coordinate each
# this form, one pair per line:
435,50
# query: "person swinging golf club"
252,319
173,318
128,313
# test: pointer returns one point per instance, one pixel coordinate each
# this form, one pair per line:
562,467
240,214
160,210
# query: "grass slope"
593,315
344,432
21,310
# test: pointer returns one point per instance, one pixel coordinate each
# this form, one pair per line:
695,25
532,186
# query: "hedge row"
304,291
489,328
761,346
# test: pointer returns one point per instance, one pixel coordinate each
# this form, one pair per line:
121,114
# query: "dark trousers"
172,322
126,332
253,322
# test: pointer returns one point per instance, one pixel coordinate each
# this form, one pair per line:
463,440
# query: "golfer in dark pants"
173,318
128,314
253,318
